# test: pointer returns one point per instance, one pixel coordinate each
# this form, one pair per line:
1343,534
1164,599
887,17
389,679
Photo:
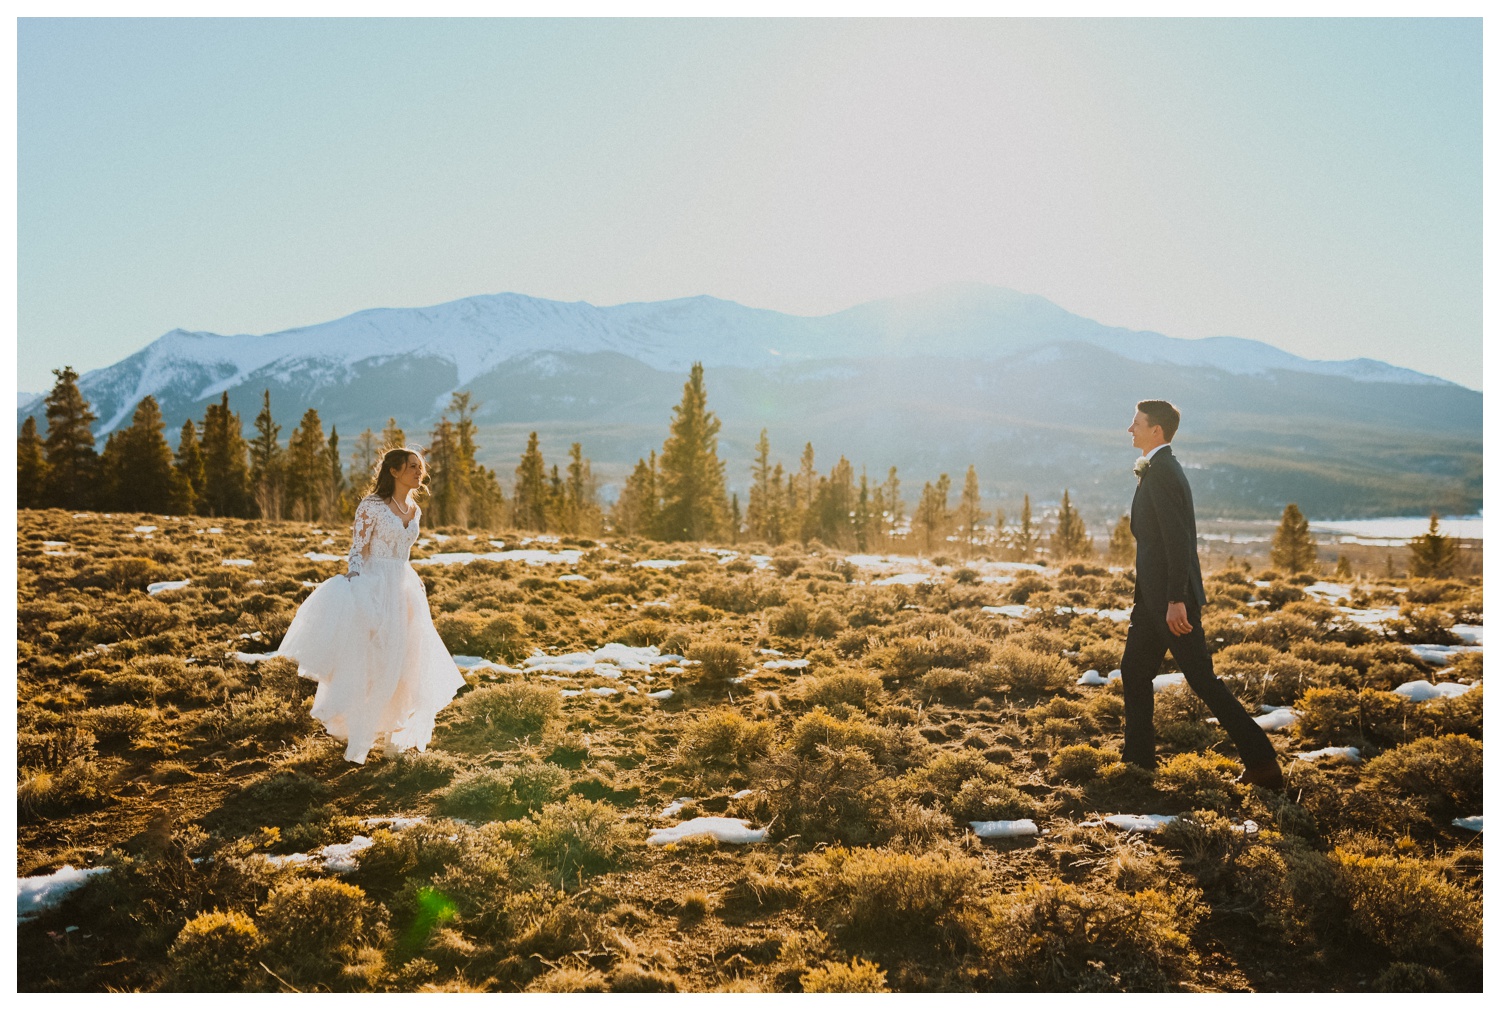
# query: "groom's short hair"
1162,414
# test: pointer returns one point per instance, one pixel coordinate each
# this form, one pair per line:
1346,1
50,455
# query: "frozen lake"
1401,527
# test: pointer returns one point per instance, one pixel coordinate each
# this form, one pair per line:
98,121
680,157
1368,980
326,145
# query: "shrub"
644,632
790,621
414,771
1446,772
215,952
1027,671
956,649
1200,781
1405,906
987,799
836,976
1403,976
137,618
737,596
1053,936
830,794
855,688
512,709
309,923
1343,716
578,834
723,739
42,791
632,977
116,724
569,978
1081,762
721,661
883,895
827,623
505,638
508,791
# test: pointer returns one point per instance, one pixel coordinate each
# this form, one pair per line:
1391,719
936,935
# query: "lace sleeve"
364,530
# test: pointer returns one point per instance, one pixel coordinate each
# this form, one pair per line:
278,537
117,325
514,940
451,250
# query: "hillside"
1035,397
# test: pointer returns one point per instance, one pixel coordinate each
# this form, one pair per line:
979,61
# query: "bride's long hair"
384,483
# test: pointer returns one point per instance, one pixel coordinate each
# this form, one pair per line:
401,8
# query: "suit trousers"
1146,644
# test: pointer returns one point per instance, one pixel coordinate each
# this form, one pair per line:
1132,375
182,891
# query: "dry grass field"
155,742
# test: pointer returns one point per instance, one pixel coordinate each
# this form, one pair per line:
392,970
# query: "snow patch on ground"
661,695
254,657
319,556
1011,610
1167,680
1349,754
163,587
1277,718
1004,829
658,563
238,562
531,557
1441,654
1092,678
37,894
1140,822
731,830
785,664
1426,690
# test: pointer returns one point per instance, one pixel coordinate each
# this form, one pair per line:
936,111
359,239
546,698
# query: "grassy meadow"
513,854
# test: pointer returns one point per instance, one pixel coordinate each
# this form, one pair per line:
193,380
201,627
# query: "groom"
1169,600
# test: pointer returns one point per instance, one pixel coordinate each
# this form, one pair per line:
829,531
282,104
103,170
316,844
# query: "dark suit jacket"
1166,537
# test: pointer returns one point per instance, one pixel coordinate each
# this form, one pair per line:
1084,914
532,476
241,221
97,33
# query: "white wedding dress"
383,673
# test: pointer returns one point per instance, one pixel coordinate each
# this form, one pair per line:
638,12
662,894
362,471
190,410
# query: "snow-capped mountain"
886,378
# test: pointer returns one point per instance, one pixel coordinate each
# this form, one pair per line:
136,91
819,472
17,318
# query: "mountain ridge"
878,381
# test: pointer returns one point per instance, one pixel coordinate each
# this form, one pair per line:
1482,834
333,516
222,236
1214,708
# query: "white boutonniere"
1140,467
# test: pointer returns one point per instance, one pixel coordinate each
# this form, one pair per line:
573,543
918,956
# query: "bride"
367,637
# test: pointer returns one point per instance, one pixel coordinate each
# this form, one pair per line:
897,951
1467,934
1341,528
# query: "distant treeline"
677,494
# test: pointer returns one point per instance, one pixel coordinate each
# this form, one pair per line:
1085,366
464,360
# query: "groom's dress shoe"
1267,776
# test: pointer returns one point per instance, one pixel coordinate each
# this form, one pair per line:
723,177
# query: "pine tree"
334,505
267,479
931,520
72,462
865,514
735,518
580,505
31,466
893,508
970,517
446,477
1343,570
530,499
1292,547
226,474
189,465
694,503
1000,534
486,500
1026,537
635,511
758,510
1070,539
392,437
833,506
363,463
1433,556
1122,543
778,511
137,471
804,490
306,469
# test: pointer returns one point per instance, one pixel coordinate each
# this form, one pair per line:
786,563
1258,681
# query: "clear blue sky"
1314,184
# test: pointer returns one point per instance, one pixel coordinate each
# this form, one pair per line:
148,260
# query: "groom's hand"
1177,619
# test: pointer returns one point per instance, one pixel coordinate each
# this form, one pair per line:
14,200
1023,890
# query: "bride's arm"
364,529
